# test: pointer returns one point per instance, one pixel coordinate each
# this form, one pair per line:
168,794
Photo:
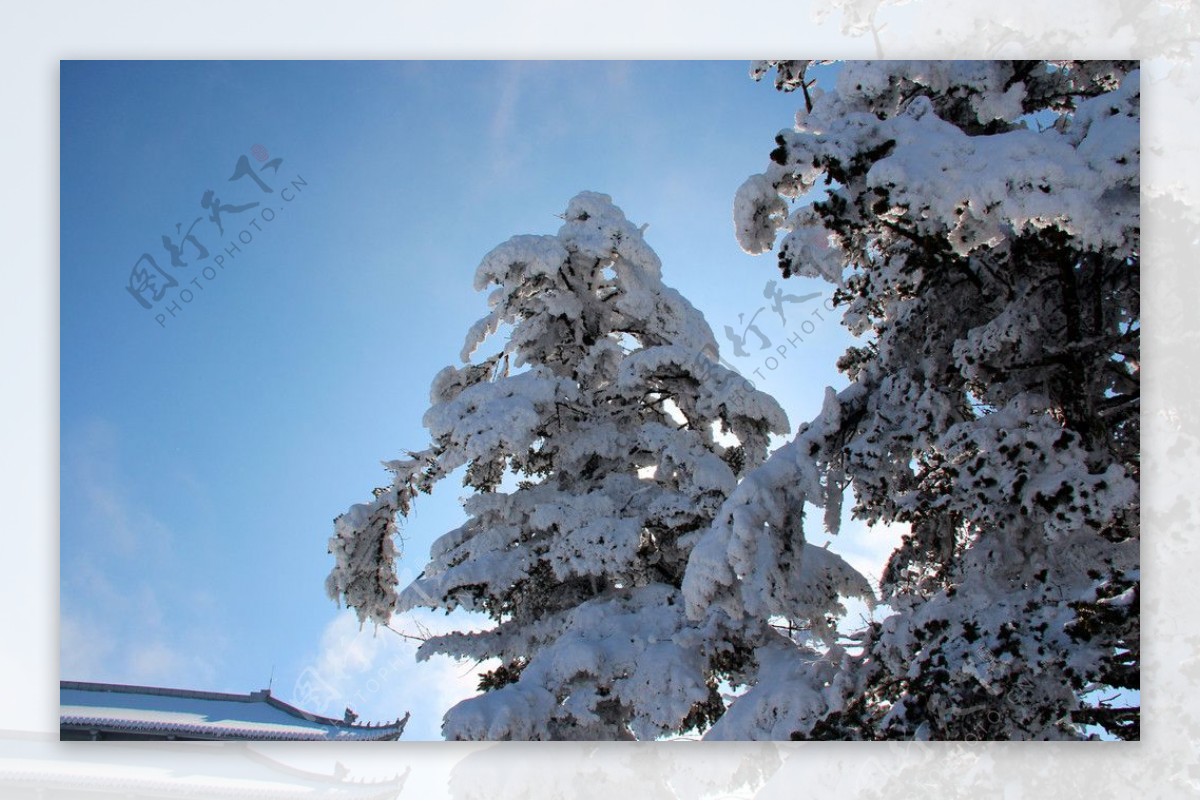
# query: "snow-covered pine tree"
599,442
980,223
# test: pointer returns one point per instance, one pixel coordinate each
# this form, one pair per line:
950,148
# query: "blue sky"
205,454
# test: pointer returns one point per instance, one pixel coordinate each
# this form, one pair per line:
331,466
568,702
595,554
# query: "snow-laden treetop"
600,439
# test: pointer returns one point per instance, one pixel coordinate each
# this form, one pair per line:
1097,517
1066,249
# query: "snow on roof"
204,715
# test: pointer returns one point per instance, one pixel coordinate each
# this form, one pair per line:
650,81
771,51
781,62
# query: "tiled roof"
203,715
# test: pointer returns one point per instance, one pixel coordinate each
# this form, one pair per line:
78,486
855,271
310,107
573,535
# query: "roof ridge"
351,730
172,692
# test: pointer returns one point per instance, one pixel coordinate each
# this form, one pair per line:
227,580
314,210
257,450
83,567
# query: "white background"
36,36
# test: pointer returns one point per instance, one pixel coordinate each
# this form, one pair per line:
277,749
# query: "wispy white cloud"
506,151
155,663
84,647
117,622
518,124
90,478
375,673
508,94
131,644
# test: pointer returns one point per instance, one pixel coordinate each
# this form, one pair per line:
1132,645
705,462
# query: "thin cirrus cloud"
119,621
92,484
520,119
